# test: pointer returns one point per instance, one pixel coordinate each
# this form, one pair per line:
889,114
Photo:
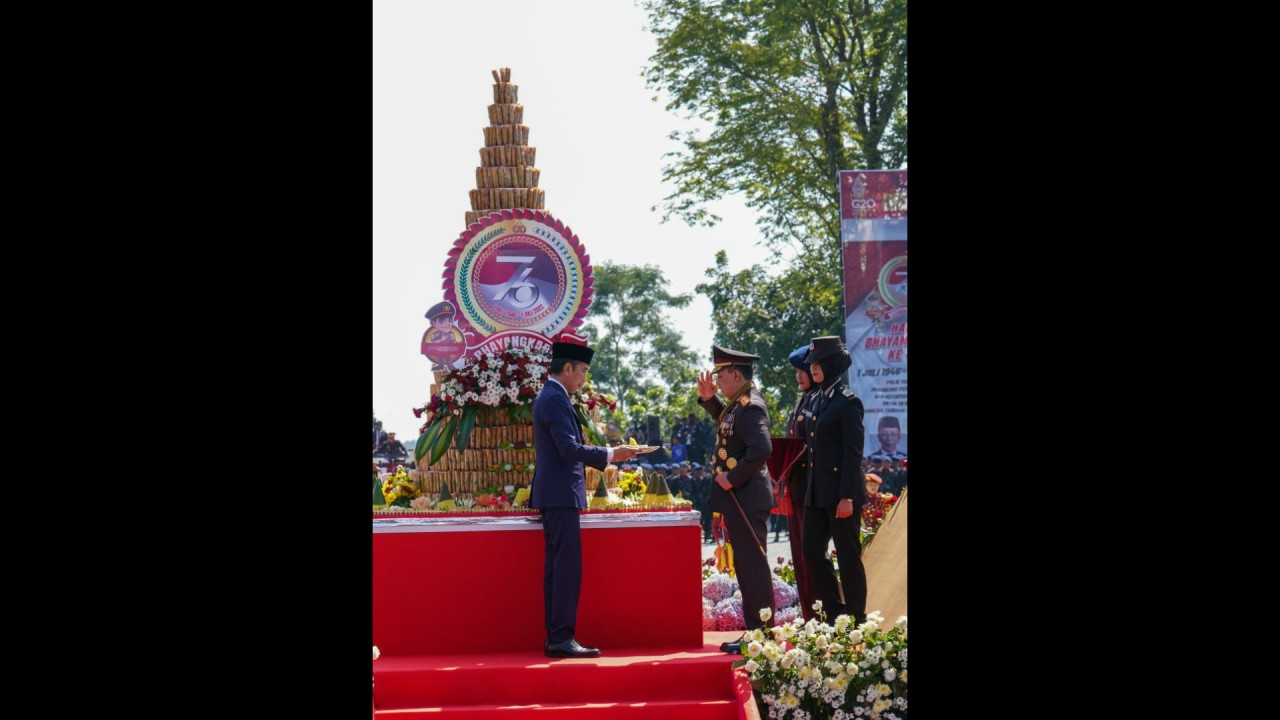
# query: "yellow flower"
731,463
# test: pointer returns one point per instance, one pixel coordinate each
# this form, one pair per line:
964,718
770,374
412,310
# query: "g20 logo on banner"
518,272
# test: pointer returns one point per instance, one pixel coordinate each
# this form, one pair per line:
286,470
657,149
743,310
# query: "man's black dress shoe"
570,649
733,648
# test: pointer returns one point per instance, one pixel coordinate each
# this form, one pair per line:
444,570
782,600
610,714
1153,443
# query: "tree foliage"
771,317
636,344
794,91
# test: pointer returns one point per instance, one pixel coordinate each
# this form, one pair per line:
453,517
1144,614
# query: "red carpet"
671,684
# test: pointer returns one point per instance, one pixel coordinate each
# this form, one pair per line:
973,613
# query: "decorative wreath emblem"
518,270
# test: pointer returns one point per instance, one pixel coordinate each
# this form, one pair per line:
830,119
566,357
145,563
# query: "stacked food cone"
601,497
506,178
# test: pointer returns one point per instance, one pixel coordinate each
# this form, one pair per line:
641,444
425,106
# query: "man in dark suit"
379,437
560,492
837,487
742,447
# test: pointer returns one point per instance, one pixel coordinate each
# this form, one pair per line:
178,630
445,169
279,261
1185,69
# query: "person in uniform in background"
613,436
391,446
897,479
837,487
742,448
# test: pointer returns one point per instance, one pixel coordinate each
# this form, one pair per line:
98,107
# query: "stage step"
672,683
669,710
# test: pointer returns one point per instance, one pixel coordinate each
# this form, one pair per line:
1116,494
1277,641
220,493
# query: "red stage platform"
474,585
689,684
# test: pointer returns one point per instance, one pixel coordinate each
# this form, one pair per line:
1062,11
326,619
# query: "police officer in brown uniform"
837,488
741,448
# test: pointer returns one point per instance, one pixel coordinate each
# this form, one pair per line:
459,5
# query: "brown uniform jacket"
743,436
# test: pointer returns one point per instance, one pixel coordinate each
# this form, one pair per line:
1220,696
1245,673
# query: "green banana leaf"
465,426
594,435
446,437
424,440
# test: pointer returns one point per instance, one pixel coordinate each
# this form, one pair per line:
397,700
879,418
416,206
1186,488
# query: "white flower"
883,689
821,641
756,635
765,614
890,674
375,652
901,622
751,666
855,636
885,664
817,605
904,676
842,623
755,648
852,669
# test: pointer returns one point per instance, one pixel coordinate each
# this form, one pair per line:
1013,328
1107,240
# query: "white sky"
600,141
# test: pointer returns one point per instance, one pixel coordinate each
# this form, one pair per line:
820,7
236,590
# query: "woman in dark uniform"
797,480
837,489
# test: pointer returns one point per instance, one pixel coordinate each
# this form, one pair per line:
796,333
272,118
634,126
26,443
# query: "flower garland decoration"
511,378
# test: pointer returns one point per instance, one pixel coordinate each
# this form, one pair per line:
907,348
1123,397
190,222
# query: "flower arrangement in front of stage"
874,509
398,489
632,485
786,569
784,595
817,669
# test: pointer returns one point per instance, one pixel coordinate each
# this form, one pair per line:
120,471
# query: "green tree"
637,347
771,317
794,91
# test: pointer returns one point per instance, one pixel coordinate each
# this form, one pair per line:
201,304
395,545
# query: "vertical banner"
873,235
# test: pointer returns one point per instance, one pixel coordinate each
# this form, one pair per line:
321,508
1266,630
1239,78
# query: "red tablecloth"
475,585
